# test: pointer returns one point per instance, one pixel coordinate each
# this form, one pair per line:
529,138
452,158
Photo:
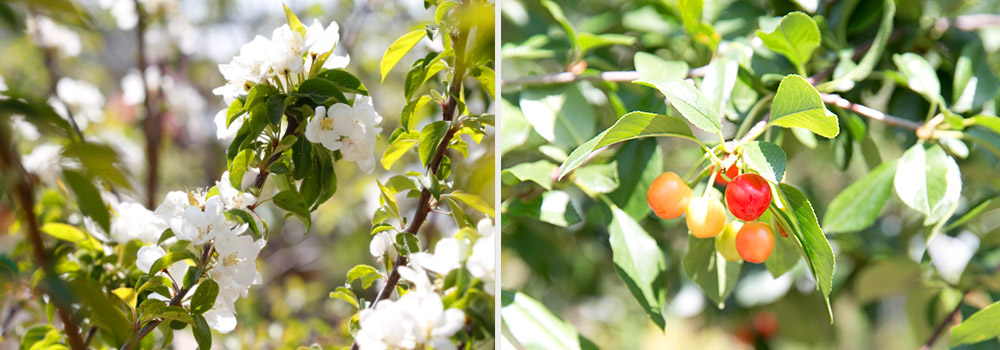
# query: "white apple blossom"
449,253
147,256
171,210
45,161
134,221
201,225
321,40
223,132
81,99
249,68
481,263
382,243
233,197
286,52
415,320
51,35
351,130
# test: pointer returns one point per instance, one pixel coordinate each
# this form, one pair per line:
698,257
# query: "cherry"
748,196
765,323
668,195
705,217
725,243
755,241
731,173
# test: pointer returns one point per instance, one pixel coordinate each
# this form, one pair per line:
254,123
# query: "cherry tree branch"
24,195
943,324
869,112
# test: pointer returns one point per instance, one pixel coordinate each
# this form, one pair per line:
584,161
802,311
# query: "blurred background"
887,294
83,56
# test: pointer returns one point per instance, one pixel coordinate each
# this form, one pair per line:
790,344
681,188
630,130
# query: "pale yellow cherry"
705,217
725,243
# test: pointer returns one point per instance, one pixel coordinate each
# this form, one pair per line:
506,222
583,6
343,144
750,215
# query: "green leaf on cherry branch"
239,166
366,274
294,22
170,258
202,333
560,114
539,172
872,56
398,49
919,75
630,126
640,263
689,101
798,104
857,206
534,327
795,37
653,68
800,215
704,265
398,148
71,234
345,294
981,326
766,158
344,80
927,178
430,137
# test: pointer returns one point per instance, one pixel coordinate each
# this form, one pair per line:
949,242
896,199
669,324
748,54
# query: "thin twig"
569,77
869,112
943,324
24,195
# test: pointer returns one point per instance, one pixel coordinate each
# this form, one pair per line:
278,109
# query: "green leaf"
239,166
926,175
553,207
640,263
798,104
560,17
204,297
345,294
234,111
588,41
807,231
430,137
100,161
981,326
630,126
710,271
292,201
796,37
398,49
71,234
473,201
276,108
689,102
516,128
320,90
597,178
170,258
766,158
560,114
534,327
365,273
988,121
344,80
102,313
396,150
202,334
88,198
886,277
872,56
487,78
293,22
443,8
920,75
539,172
654,68
784,257
857,206
639,163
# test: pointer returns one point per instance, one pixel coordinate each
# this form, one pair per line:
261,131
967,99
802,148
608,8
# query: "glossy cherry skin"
748,196
705,217
732,172
725,242
755,242
668,195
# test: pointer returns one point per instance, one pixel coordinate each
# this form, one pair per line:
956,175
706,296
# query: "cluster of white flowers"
417,319
352,130
51,35
79,100
199,219
282,61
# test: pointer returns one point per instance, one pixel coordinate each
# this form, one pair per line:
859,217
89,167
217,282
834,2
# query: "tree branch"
24,195
152,126
569,77
866,111
944,324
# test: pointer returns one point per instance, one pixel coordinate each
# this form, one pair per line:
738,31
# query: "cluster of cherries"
747,197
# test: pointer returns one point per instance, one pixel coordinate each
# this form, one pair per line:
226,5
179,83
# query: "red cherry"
732,172
766,324
755,242
748,196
